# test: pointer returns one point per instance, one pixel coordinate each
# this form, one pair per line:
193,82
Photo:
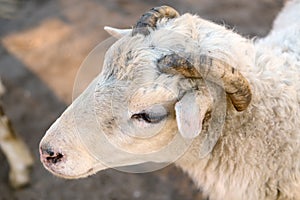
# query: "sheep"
224,108
17,153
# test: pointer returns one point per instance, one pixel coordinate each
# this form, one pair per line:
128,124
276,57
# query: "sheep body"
258,155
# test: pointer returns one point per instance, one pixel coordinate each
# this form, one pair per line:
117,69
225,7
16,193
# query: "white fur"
257,154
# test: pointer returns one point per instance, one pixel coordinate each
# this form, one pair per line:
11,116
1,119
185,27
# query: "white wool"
257,155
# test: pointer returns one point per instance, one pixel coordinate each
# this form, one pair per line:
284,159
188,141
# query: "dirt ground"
42,47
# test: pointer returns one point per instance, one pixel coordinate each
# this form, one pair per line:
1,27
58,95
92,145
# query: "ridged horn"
212,69
150,18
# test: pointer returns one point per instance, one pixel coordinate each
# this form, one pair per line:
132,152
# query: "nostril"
54,158
51,153
50,156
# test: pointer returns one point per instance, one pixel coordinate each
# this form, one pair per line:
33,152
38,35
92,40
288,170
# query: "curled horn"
212,69
149,19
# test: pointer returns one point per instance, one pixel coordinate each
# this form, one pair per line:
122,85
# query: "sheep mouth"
61,174
89,172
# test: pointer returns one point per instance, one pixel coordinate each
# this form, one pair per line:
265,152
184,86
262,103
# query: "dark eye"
149,117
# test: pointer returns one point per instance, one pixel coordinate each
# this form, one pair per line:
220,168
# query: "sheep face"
155,94
126,116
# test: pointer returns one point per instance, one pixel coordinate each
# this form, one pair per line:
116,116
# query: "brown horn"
150,18
212,69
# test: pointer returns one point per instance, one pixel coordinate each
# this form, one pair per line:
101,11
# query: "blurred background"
43,43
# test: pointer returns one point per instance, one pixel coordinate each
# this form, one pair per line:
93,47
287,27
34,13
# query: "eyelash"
146,117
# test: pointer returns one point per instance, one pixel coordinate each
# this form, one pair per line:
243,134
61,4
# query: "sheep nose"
48,155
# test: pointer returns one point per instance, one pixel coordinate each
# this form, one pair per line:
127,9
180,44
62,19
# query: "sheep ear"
194,115
117,33
190,113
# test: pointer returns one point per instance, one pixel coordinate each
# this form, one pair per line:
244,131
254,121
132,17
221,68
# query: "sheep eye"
148,117
152,115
